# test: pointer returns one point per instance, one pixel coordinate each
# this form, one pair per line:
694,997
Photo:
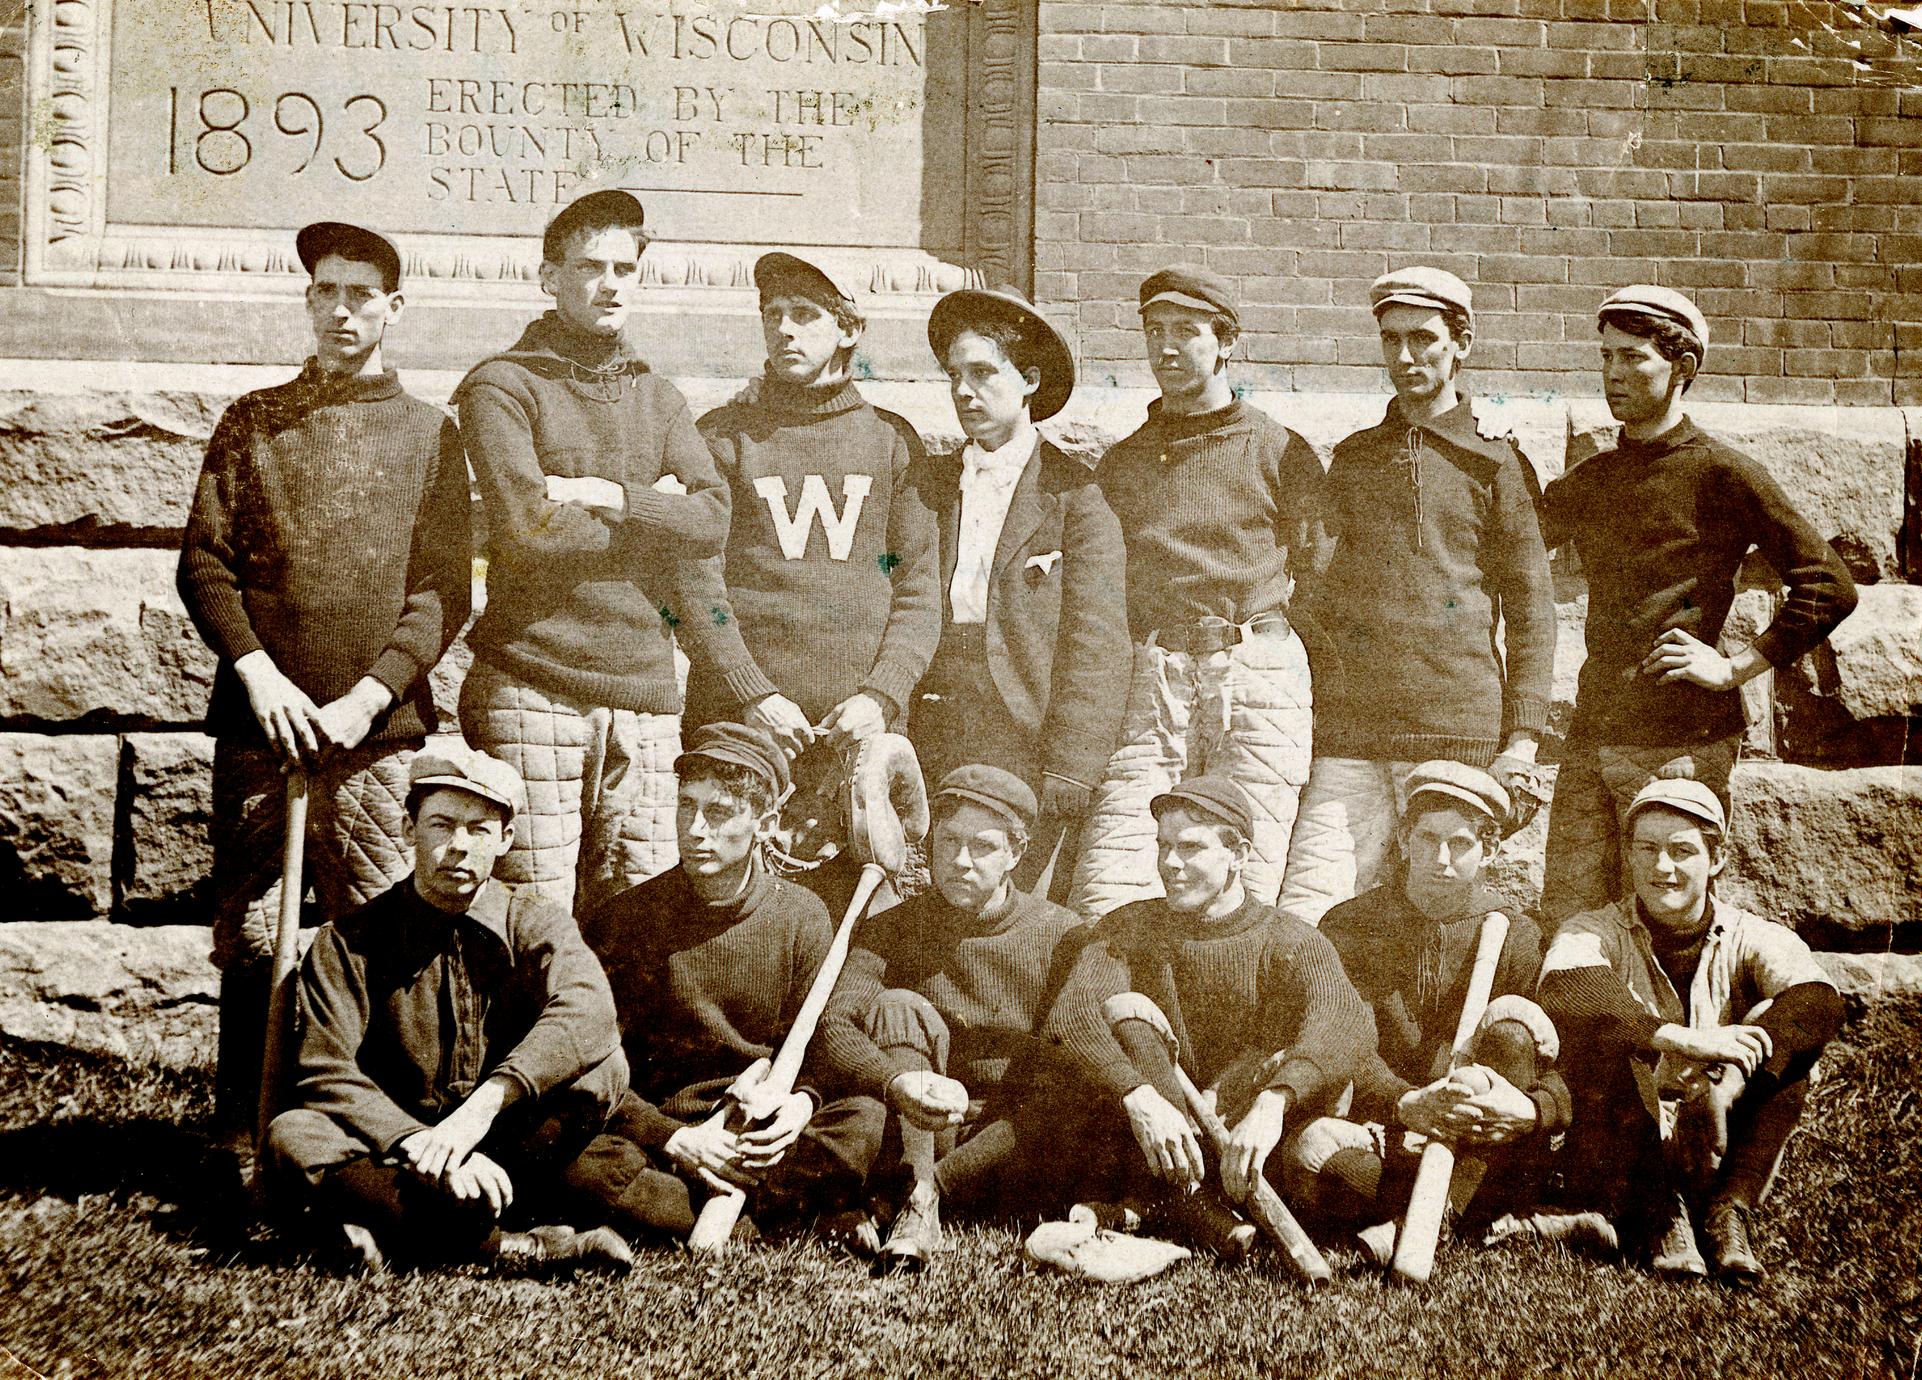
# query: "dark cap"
315,242
739,745
1188,286
778,272
960,310
608,207
1001,791
1458,781
457,767
1217,797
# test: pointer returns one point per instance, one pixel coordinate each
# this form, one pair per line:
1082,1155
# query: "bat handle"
286,949
715,1226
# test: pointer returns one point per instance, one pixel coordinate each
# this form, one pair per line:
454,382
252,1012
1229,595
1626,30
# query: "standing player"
1436,610
596,486
1219,508
326,563
1662,523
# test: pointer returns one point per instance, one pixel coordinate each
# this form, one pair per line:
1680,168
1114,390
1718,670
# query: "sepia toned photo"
1037,688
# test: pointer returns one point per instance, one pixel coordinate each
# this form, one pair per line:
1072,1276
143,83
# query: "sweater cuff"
1771,647
648,511
654,1127
748,683
1301,1079
1526,714
236,634
891,689
397,671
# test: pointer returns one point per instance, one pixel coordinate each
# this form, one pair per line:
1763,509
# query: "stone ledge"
142,994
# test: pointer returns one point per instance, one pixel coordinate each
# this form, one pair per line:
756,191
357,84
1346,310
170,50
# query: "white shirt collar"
1012,456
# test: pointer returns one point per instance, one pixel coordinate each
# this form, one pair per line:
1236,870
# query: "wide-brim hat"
315,242
777,270
953,313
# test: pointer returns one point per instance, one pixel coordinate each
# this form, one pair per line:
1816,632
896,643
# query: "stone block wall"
1763,157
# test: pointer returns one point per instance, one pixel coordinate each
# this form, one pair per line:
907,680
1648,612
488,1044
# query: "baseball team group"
1212,746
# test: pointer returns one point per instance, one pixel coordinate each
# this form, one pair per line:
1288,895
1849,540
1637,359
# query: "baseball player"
596,486
1662,523
326,563
1408,945
457,1050
1689,1031
1256,1001
940,1013
1436,552
1220,509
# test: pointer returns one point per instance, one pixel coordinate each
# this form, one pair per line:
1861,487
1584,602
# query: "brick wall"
1748,152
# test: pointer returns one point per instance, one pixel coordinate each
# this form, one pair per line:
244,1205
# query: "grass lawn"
119,1255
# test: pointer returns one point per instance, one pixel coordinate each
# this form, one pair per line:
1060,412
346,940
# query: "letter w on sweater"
793,529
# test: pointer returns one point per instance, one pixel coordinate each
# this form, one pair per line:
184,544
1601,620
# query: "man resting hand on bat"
1262,1013
709,963
1409,945
456,1050
1691,1028
939,1012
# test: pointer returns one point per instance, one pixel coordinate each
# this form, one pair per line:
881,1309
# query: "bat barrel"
286,948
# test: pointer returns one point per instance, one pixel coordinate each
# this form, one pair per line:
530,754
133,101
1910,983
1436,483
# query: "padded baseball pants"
1342,834
1246,713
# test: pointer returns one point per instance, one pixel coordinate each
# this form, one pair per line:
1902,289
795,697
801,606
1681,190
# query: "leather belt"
1214,634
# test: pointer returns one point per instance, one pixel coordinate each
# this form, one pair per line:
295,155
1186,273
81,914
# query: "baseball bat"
1263,1203
715,1225
1421,1228
280,995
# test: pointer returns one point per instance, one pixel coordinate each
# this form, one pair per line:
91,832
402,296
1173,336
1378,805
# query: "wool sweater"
704,990
404,1010
993,979
829,583
1413,972
1435,551
1255,981
1661,527
329,527
1217,512
578,598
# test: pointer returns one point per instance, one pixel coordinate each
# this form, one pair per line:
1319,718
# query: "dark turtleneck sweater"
329,527
1435,548
1662,527
1413,972
1255,981
1217,511
992,978
578,598
815,603
703,990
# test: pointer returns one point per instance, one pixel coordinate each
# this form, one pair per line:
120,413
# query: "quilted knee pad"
547,742
628,794
1117,863
360,828
1266,713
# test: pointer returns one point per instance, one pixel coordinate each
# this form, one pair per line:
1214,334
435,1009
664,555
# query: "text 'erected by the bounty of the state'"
479,119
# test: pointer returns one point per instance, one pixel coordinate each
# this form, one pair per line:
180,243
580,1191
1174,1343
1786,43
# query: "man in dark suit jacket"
1029,674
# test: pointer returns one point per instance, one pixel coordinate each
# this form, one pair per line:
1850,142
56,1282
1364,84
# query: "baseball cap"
740,745
456,766
1218,797
315,242
609,206
1459,781
1661,303
1420,286
1696,799
1001,791
777,271
1186,285
955,312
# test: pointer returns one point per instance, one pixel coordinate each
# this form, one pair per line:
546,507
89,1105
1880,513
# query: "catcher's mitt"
836,790
1079,1247
1529,788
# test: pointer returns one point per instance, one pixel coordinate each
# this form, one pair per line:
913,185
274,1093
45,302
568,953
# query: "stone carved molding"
71,244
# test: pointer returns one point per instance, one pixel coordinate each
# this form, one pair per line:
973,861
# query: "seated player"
456,1049
940,1013
709,963
1689,1029
1408,945
1258,1003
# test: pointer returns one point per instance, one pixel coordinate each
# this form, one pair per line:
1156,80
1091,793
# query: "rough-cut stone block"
1826,850
446,678
56,824
1841,466
1571,651
1747,617
169,809
143,994
1877,653
1871,977
98,636
114,460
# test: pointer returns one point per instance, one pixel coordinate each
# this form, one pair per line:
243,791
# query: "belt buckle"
1214,633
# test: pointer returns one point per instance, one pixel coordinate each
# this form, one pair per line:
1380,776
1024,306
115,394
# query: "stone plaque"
178,141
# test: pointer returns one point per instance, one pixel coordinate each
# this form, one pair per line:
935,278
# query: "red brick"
1552,242
1407,148
1278,53
1498,149
1701,273
1335,174
1655,243
1384,234
1778,390
1402,86
1523,210
1119,228
1846,306
1329,145
1249,23
1529,120
1444,177
1104,48
1370,117
1859,162
1765,158
1501,33
1414,29
1659,215
1861,335
1595,37
1499,90
1774,100
1851,99
1333,25
1864,393
1261,172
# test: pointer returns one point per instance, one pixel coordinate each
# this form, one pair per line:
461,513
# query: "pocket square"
1044,562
